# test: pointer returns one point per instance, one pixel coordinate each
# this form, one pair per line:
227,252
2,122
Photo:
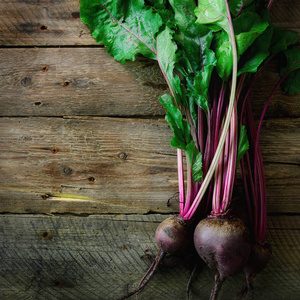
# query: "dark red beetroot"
224,244
173,236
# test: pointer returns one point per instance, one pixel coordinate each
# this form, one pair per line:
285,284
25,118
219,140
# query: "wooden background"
87,172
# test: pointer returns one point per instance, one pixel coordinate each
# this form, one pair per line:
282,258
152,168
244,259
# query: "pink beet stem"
180,180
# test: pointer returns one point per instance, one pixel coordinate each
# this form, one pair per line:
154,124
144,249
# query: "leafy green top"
191,45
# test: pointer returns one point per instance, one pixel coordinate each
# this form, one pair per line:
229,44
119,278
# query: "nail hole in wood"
37,103
44,27
45,68
66,83
55,150
46,235
91,179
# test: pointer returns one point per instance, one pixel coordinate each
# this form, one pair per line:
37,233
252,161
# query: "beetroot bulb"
223,242
196,50
173,235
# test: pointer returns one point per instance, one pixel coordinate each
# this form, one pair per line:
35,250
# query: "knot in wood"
122,155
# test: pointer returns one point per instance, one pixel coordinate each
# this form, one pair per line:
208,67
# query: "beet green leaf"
125,27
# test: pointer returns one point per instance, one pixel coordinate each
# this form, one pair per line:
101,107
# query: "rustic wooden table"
87,170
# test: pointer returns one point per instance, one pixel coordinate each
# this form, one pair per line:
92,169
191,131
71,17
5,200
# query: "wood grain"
286,14
90,165
59,161
101,257
84,81
42,23
87,81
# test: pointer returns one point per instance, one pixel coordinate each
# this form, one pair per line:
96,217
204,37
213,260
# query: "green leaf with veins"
166,57
199,91
196,40
182,138
196,63
223,50
237,5
184,12
195,158
125,27
282,39
247,27
214,14
257,53
181,129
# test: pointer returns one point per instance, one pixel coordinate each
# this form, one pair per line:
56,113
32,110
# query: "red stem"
180,180
227,194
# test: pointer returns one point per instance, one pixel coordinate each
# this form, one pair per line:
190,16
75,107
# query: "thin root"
247,287
190,281
146,278
217,287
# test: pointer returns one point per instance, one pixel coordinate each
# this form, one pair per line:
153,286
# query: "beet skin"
223,243
172,235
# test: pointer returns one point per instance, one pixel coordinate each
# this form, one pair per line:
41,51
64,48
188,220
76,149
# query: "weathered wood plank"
122,165
42,23
123,161
57,22
286,14
77,81
87,81
101,257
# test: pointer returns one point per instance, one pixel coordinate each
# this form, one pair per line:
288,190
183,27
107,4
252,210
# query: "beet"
173,235
224,244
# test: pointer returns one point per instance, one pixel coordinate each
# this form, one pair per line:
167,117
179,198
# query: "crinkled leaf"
291,83
243,143
166,56
181,129
184,12
196,63
195,158
282,39
223,50
165,13
237,5
195,41
257,53
213,13
247,27
125,27
201,87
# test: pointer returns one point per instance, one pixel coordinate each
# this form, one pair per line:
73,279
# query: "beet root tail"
247,287
217,287
147,277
